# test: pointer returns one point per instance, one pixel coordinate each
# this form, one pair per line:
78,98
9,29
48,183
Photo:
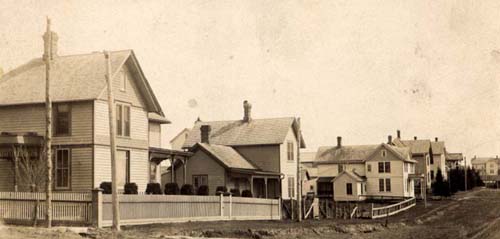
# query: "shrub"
440,187
153,188
106,187
130,188
235,192
220,190
171,189
187,189
246,193
203,190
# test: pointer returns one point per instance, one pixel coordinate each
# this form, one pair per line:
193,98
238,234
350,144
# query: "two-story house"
255,154
81,138
358,172
453,160
438,159
486,166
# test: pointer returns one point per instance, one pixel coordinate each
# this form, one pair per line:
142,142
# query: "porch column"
251,185
265,185
15,156
172,168
184,161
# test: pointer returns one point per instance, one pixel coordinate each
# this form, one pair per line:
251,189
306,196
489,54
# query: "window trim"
292,186
290,151
369,167
121,126
68,188
54,119
199,175
123,80
388,183
347,189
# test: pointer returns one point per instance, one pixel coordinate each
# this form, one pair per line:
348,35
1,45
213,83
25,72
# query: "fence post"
221,205
371,211
280,207
97,207
230,206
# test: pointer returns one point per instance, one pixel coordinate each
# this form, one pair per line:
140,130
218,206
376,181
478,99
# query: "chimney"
436,139
247,107
205,133
339,141
50,39
389,139
399,133
197,120
414,137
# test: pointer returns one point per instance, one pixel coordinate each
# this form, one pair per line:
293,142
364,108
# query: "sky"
360,69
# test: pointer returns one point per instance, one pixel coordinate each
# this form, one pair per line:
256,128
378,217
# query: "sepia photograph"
183,119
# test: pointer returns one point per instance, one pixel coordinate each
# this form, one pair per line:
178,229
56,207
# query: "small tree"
440,187
153,188
130,188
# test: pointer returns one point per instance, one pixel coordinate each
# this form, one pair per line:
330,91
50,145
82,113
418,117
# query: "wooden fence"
68,208
146,209
385,211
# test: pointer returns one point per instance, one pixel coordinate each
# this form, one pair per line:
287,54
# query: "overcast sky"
359,69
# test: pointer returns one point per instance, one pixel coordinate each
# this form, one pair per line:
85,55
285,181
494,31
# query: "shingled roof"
454,156
73,78
357,153
438,147
228,156
240,133
419,146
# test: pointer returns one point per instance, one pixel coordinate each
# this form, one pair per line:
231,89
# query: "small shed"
349,186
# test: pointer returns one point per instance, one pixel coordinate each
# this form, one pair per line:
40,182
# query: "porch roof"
17,138
159,154
254,172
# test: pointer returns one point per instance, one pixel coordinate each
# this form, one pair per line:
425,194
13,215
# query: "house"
309,172
486,165
438,159
453,160
178,141
81,142
358,172
255,154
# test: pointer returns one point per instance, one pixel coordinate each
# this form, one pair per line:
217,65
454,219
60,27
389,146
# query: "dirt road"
468,215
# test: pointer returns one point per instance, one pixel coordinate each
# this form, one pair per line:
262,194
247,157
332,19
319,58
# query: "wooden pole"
465,172
112,136
299,180
425,183
48,124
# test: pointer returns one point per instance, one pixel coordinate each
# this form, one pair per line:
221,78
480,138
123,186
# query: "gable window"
123,80
290,150
200,180
348,187
291,187
341,168
384,167
369,167
384,153
62,169
122,120
62,119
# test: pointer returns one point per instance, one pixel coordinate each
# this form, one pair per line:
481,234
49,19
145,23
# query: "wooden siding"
288,168
138,127
139,166
81,169
31,118
202,164
131,94
396,175
332,170
341,189
154,135
266,157
6,175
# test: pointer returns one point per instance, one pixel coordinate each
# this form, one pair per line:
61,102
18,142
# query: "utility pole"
425,179
47,56
465,172
112,137
299,178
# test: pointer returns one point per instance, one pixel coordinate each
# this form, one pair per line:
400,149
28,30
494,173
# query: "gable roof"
454,156
482,160
307,157
402,153
419,146
73,78
438,147
185,130
344,154
352,175
226,155
240,133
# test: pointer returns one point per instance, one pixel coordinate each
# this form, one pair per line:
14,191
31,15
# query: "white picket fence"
96,209
385,211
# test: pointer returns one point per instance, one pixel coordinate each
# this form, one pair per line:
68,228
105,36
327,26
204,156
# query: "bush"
235,192
203,190
171,189
106,187
153,188
220,190
187,189
440,187
246,194
130,188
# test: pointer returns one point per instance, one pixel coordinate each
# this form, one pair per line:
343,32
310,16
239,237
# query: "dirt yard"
468,215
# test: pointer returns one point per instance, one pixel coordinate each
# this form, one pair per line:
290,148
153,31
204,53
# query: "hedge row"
173,189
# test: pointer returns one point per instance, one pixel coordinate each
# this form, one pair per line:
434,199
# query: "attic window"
123,80
384,153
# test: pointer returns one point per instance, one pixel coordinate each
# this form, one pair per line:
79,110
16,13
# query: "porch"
176,158
262,184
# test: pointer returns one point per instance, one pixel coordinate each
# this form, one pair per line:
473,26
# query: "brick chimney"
339,141
399,133
50,39
389,139
247,108
436,139
414,137
205,133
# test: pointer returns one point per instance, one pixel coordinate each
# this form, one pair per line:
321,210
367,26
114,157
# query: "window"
492,171
291,187
432,174
62,121
290,150
325,188
341,168
123,120
122,167
62,169
123,80
408,185
406,167
432,160
369,167
348,187
384,167
384,153
381,185
387,184
199,180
